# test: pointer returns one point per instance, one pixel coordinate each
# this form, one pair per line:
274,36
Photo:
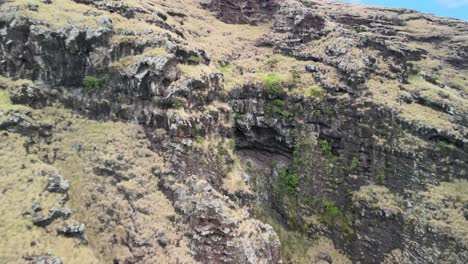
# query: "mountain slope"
232,131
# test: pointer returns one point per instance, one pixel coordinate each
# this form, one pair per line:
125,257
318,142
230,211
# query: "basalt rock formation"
231,131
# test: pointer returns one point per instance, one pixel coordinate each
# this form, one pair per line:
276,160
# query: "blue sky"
449,8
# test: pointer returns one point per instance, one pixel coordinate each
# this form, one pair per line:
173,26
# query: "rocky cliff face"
232,132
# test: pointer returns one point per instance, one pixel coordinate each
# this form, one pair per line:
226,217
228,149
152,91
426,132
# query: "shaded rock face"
333,175
301,24
22,123
30,96
244,11
61,62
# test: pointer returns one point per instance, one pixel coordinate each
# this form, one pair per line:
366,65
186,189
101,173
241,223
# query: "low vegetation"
326,150
93,84
273,83
315,91
333,216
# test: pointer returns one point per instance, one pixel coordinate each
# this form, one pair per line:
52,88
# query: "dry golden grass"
22,182
449,198
63,12
116,142
235,179
379,197
387,92
78,146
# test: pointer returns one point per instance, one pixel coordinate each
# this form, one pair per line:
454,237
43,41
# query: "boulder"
47,258
29,95
54,213
243,11
74,230
57,184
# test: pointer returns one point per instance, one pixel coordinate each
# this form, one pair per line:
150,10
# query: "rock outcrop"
243,11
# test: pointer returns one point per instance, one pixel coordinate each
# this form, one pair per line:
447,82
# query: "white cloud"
454,3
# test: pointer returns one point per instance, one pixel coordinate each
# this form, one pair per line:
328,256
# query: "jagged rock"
29,95
147,77
58,64
112,168
54,214
301,24
33,7
117,7
215,231
243,11
324,257
163,241
35,208
20,122
76,230
57,183
44,259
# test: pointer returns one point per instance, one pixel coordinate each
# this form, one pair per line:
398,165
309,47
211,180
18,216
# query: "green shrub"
278,103
354,163
274,85
315,91
198,139
328,110
380,178
283,113
357,30
288,181
237,116
307,3
326,148
333,216
274,164
444,145
93,84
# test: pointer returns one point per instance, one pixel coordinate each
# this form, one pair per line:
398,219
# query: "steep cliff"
232,131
